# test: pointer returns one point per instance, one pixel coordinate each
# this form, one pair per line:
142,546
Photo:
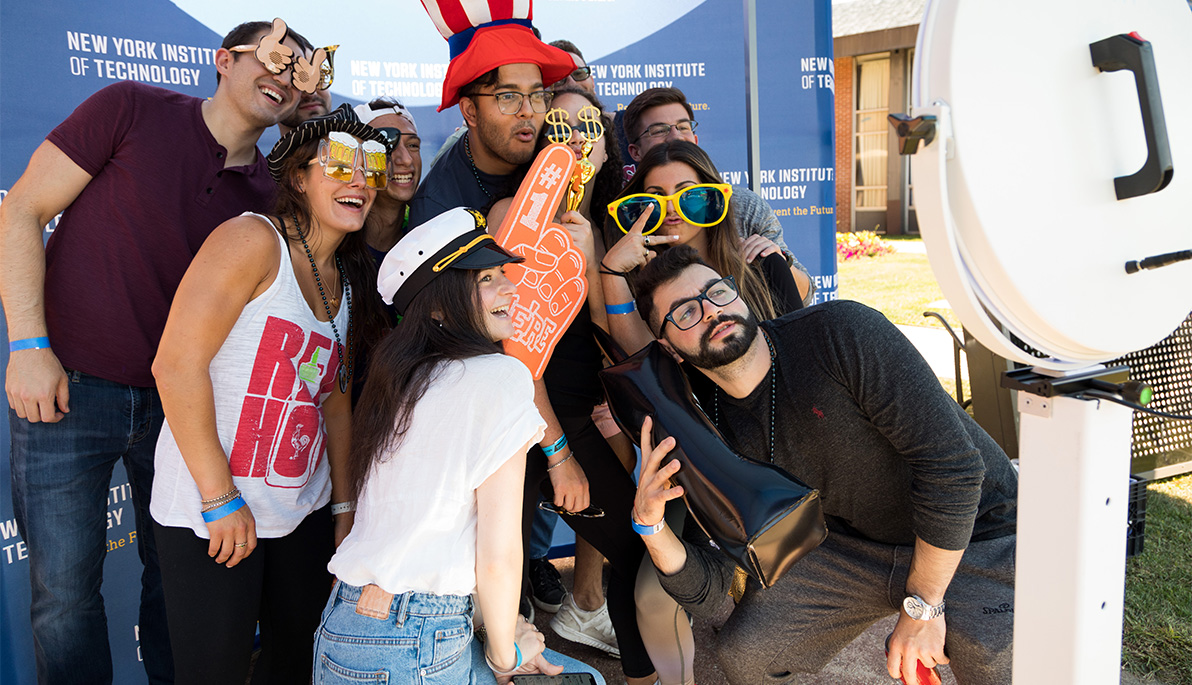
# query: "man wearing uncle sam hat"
499,74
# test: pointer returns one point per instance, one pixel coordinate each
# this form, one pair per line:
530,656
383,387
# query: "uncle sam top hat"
486,34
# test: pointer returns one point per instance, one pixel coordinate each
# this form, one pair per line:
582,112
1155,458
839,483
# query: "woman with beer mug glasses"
254,370
677,198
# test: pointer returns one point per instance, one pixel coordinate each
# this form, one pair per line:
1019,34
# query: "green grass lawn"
1157,637
1157,631
900,285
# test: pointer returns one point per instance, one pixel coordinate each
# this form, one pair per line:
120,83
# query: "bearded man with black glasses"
920,502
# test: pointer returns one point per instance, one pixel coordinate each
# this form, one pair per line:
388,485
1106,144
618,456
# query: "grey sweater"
861,416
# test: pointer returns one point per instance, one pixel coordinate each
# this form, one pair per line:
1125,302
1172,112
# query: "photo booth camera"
1044,141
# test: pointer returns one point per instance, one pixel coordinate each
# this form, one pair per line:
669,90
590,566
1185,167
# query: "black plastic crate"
1135,517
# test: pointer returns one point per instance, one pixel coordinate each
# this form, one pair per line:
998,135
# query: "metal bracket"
911,131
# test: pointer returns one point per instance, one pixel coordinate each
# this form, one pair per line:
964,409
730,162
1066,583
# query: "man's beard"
498,138
731,349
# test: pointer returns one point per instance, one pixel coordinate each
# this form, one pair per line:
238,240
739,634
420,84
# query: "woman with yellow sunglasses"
676,198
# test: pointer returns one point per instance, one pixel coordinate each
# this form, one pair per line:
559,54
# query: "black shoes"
546,585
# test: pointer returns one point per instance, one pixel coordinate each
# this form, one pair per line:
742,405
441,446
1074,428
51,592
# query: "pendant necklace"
472,162
773,395
345,370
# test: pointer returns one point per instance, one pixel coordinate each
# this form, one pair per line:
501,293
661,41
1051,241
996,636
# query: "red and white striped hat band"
486,34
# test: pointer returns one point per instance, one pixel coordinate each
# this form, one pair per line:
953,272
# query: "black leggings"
213,610
611,489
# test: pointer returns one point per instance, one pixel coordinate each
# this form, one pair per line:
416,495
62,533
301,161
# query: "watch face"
913,607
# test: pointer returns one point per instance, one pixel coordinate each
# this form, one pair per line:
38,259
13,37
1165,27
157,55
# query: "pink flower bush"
861,244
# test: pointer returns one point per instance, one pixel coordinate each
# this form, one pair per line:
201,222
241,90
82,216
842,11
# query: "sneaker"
526,609
546,585
591,628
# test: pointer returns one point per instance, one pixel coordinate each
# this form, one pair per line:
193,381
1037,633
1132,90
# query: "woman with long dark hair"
677,197
439,450
254,369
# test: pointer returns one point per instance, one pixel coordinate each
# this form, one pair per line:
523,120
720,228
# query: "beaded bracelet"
562,461
209,504
224,510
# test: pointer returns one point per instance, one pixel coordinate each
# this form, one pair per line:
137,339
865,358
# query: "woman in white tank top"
254,371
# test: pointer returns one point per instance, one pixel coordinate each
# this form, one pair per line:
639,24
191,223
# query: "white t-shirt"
270,377
415,526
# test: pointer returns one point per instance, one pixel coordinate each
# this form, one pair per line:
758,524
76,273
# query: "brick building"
874,45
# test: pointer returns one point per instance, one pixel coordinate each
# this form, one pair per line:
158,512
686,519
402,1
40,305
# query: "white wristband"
343,508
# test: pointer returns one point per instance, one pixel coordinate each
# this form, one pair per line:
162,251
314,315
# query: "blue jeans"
426,640
542,532
60,477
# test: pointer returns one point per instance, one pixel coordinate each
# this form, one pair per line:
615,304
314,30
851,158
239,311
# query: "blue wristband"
29,344
646,530
626,308
519,656
559,444
220,512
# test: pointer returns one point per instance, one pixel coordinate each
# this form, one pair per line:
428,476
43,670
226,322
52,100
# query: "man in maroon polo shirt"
141,175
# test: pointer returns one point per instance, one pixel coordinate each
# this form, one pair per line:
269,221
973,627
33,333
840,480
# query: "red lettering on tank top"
279,435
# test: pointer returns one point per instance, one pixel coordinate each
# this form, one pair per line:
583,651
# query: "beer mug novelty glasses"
700,205
341,155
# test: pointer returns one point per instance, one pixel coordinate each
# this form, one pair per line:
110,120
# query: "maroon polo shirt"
158,188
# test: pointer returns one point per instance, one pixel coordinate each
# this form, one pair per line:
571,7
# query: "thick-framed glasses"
688,313
510,102
341,155
700,205
581,74
684,127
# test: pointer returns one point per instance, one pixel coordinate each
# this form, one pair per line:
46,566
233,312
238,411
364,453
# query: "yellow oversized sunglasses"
700,205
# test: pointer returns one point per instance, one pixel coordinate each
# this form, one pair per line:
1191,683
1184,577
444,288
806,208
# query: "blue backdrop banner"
56,54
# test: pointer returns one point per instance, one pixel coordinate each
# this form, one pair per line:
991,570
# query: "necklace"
773,395
345,370
472,162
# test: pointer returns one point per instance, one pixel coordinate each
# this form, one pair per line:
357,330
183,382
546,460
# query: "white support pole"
1072,497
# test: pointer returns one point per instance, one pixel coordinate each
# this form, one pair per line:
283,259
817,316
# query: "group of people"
297,357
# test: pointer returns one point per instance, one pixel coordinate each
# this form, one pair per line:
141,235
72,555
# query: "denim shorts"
426,640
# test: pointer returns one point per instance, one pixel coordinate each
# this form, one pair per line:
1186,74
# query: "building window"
873,82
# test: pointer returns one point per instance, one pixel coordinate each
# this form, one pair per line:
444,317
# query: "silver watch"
920,610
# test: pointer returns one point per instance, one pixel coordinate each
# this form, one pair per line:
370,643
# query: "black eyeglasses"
510,102
688,313
662,130
581,74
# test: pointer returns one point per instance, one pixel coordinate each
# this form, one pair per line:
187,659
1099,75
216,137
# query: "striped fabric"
452,16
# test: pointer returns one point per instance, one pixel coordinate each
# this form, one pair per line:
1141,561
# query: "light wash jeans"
426,640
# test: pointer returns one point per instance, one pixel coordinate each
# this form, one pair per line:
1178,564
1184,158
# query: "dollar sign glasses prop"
591,132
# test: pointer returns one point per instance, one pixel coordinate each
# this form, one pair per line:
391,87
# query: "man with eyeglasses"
581,76
920,502
499,73
658,115
141,176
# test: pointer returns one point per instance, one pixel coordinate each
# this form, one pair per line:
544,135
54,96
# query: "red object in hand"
924,675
